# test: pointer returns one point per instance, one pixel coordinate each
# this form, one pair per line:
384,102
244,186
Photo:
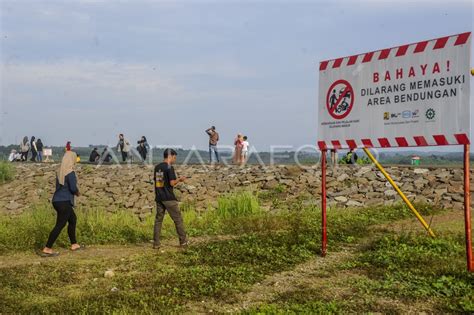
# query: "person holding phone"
165,179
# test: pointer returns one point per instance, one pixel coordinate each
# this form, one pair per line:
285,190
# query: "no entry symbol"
340,99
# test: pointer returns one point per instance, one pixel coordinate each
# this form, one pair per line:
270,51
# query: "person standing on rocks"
123,146
39,147
245,150
213,139
24,148
143,148
63,203
34,149
165,179
238,143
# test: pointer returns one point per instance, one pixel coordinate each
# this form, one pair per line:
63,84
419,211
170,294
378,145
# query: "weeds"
7,172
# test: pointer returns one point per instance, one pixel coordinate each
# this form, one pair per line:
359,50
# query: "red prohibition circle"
348,89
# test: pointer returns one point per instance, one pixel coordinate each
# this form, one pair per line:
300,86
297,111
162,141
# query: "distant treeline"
287,157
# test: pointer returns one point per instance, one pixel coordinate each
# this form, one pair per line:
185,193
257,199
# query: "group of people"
241,147
63,201
350,157
124,148
33,146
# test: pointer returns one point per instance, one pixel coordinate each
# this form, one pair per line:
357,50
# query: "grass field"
242,260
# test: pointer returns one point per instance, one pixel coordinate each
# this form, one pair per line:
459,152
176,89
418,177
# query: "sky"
85,71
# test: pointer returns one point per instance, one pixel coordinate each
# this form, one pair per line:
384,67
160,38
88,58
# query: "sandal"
43,254
81,247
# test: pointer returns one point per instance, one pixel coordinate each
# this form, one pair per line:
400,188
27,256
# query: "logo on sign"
430,114
406,114
340,99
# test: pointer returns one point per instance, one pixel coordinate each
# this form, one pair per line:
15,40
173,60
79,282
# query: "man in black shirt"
165,180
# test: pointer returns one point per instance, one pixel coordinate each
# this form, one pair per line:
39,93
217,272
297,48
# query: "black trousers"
124,156
34,154
24,156
65,215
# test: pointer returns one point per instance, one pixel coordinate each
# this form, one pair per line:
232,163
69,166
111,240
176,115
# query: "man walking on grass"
165,180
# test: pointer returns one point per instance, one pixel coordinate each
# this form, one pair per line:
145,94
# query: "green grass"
7,172
236,205
263,243
413,267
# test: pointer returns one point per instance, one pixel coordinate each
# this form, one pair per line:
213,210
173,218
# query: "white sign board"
411,95
47,152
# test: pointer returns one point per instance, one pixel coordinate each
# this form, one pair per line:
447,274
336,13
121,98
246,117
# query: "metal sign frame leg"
467,209
324,239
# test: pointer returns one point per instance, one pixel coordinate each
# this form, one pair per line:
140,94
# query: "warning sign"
411,95
340,99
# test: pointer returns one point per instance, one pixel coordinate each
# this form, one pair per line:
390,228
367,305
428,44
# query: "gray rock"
341,199
420,170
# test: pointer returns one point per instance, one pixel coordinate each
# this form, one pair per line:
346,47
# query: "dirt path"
96,253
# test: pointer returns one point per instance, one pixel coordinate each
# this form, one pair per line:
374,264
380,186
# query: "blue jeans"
211,149
40,156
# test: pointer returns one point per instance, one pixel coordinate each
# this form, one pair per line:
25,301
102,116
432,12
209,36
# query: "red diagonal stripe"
336,144
352,60
368,57
337,63
367,143
441,42
440,140
462,138
384,143
323,65
402,50
420,47
352,144
384,54
401,141
322,145
420,141
462,38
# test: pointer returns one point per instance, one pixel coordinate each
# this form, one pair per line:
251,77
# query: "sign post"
413,95
324,237
467,209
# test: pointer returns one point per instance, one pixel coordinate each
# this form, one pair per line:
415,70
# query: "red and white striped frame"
439,43
415,141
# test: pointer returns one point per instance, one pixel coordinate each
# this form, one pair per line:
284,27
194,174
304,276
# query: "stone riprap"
130,187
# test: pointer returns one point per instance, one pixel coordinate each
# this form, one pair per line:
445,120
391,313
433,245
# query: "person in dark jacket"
34,150
63,203
105,156
351,157
95,156
143,148
39,147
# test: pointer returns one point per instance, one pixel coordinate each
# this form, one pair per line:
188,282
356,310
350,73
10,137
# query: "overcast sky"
87,70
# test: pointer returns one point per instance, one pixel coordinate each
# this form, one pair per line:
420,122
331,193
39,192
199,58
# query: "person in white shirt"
245,150
14,156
